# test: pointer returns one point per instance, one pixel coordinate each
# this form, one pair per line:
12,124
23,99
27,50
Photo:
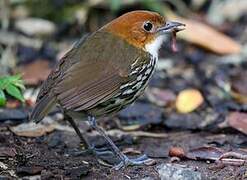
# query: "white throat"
154,46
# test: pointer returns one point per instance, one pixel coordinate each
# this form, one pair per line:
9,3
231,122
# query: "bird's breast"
139,76
130,90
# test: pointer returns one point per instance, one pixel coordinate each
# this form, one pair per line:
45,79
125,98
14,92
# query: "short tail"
42,108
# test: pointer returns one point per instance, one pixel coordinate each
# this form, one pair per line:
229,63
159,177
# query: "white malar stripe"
154,46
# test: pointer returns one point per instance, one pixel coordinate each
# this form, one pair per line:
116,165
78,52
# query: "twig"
117,132
233,154
233,162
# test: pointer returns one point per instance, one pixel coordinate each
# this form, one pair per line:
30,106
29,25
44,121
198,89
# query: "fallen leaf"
160,97
12,104
205,36
188,100
238,120
7,152
241,98
131,151
210,153
239,87
29,170
35,72
32,129
205,153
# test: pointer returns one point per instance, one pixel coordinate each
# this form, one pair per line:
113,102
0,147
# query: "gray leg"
78,132
101,153
125,161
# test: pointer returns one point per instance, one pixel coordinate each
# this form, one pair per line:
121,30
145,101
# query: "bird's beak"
171,26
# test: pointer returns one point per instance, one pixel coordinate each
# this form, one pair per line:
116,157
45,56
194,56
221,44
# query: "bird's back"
88,76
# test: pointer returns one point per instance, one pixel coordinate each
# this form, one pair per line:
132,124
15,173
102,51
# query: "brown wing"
86,86
93,72
63,64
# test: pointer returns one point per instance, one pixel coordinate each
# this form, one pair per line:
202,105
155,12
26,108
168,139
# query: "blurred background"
200,88
211,57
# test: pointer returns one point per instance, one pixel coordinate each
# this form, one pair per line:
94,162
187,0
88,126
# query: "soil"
57,156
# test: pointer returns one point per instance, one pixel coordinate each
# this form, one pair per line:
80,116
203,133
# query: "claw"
142,160
105,156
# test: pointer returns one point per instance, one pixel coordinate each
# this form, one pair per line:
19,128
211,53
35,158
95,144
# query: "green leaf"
19,84
15,80
15,92
2,98
3,82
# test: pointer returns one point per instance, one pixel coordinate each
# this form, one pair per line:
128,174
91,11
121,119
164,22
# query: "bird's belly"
129,91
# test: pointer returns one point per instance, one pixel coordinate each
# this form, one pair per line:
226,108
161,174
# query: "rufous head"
143,29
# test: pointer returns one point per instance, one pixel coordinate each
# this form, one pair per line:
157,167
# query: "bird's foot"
108,158
105,156
116,153
142,160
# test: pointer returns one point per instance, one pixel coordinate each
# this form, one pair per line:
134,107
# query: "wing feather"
83,79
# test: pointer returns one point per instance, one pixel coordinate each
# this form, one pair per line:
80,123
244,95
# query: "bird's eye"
148,26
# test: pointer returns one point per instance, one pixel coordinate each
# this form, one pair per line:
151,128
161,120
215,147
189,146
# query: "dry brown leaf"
12,104
130,150
32,129
205,153
239,82
188,100
206,36
7,152
238,120
241,98
201,153
35,72
239,87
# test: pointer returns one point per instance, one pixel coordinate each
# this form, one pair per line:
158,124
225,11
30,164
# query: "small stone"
4,178
29,170
177,172
140,115
189,121
77,172
35,26
13,114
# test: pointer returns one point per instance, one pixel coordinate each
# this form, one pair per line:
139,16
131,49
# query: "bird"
105,72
